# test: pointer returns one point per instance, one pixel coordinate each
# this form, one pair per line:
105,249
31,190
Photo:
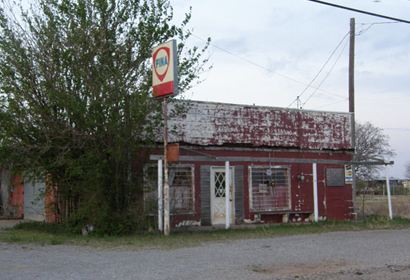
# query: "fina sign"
164,69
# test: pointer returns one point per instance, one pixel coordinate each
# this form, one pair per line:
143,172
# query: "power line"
250,61
327,74
376,22
330,104
360,11
320,70
370,25
405,129
261,66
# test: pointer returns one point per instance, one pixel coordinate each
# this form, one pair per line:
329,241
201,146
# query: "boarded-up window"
335,177
269,188
181,183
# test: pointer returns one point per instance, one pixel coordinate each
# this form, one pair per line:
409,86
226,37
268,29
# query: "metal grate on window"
269,188
181,182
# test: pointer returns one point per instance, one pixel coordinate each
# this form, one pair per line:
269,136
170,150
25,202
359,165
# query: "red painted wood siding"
335,203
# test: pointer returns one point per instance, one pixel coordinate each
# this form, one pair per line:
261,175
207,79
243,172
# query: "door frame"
212,192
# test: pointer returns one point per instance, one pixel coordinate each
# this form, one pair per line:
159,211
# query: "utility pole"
351,102
351,68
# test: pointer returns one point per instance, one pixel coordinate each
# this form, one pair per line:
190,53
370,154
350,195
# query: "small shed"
271,152
21,197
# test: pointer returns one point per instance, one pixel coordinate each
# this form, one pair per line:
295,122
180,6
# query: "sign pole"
166,183
164,84
160,198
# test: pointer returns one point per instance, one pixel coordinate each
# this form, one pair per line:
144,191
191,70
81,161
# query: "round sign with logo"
161,62
164,71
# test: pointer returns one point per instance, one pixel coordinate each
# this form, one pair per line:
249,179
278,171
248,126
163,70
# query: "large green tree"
75,87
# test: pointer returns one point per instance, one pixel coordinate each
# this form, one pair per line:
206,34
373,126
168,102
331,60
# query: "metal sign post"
166,183
160,198
164,84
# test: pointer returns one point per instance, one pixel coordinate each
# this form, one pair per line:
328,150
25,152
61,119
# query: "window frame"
250,188
170,166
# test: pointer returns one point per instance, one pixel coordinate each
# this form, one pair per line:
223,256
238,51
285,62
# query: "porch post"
388,193
315,199
160,198
227,194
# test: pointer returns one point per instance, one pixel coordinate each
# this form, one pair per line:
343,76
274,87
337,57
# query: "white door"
218,203
34,200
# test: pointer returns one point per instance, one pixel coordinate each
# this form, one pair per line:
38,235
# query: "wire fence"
371,199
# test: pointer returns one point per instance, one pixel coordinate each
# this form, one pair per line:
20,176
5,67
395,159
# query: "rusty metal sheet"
206,123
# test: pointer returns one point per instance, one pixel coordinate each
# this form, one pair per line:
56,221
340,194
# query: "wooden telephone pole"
351,70
351,102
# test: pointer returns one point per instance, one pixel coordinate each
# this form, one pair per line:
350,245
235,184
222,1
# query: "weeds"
46,234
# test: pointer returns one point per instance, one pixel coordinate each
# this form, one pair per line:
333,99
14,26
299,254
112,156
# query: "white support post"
160,198
167,226
227,196
388,193
315,198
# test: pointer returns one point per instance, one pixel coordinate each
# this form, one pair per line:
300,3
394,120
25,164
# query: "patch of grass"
377,205
45,234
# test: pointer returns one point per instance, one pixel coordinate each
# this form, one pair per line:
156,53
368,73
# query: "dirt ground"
364,255
338,271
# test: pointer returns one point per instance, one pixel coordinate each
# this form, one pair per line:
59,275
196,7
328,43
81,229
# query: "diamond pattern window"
219,184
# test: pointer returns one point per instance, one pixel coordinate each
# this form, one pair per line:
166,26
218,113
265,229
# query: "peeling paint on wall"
188,223
218,124
11,193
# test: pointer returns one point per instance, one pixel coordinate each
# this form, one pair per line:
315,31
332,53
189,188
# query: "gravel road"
338,255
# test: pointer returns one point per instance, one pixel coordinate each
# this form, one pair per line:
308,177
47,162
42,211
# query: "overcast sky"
265,53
